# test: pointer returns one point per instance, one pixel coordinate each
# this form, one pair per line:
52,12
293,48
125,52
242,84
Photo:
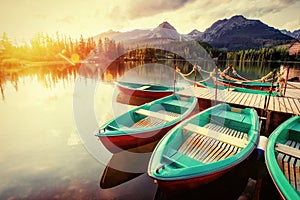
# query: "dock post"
175,68
286,79
195,75
268,122
216,90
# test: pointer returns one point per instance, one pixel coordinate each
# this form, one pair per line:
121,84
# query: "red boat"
146,90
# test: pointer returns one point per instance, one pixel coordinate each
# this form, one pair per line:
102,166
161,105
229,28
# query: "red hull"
120,143
144,93
117,144
176,186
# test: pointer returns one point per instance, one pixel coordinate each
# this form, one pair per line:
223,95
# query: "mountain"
194,34
235,33
239,33
163,33
295,34
107,34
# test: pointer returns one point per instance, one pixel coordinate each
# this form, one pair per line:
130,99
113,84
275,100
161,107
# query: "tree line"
43,47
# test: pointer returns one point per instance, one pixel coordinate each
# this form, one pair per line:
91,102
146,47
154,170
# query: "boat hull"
127,142
140,93
134,129
175,186
248,85
153,92
193,153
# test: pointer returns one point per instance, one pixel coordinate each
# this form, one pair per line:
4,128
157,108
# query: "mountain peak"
166,25
194,32
238,17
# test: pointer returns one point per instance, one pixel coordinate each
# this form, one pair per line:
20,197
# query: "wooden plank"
282,105
248,100
228,96
271,104
288,105
157,115
287,150
294,106
231,96
198,91
238,98
297,104
257,101
252,103
207,95
217,136
276,104
262,101
245,98
291,167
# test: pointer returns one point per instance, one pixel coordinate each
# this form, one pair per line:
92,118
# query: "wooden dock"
278,109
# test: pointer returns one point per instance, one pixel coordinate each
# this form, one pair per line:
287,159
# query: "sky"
23,19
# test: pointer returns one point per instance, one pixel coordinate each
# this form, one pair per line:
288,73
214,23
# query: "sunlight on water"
43,154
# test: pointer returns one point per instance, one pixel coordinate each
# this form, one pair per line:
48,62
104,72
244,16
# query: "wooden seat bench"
288,160
212,142
166,116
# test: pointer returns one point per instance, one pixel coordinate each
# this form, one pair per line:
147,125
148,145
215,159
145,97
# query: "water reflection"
42,154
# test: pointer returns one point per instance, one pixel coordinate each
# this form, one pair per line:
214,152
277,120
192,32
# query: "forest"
45,48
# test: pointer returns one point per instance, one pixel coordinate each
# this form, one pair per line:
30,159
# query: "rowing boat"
238,89
146,123
204,147
283,158
146,90
255,85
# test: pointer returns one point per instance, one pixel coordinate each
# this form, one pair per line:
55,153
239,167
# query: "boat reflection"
127,171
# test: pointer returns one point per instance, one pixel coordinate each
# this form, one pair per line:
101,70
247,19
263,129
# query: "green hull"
240,89
137,127
289,130
172,164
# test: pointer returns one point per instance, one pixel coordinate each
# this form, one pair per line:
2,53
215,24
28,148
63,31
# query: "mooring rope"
199,68
223,73
188,74
184,76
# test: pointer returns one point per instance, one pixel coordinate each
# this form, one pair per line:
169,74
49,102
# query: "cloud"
141,8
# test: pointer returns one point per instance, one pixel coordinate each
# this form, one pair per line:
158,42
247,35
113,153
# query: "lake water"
49,116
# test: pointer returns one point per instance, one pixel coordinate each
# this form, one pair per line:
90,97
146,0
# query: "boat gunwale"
206,169
284,187
135,131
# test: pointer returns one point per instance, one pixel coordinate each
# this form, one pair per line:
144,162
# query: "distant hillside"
239,33
295,34
236,33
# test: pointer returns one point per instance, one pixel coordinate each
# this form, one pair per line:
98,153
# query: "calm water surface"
44,156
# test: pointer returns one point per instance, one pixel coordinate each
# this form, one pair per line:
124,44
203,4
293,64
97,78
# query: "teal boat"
204,147
261,92
238,89
146,123
283,158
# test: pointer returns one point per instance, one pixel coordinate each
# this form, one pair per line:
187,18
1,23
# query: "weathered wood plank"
294,106
282,104
156,115
216,135
248,100
288,105
287,150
